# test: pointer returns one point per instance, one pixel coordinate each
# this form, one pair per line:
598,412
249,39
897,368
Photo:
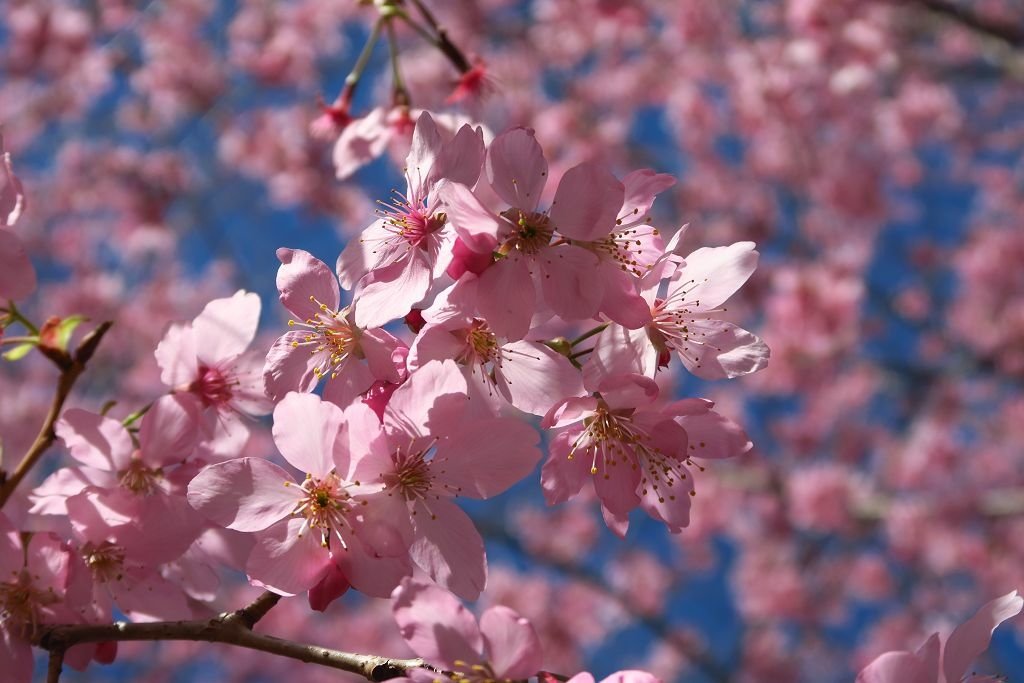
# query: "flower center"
410,221
531,232
418,477
212,386
474,673
105,560
20,604
138,478
481,344
324,507
331,336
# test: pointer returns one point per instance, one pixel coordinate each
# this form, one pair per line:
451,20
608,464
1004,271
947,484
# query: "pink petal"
361,142
177,357
15,657
11,558
12,193
449,548
302,276
617,523
226,327
713,274
434,342
516,168
628,391
17,275
362,254
641,187
895,667
512,646
169,430
50,497
581,677
247,494
431,401
477,226
373,576
330,588
285,562
289,366
390,292
95,440
972,637
714,436
720,350
587,202
562,478
571,281
436,626
352,381
460,159
48,561
630,676
426,144
616,486
486,457
930,654
670,501
248,395
537,377
506,297
622,302
152,599
308,432
379,347
620,351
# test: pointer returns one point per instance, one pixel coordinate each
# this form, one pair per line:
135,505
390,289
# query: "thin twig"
1008,33
71,367
231,628
55,665
230,632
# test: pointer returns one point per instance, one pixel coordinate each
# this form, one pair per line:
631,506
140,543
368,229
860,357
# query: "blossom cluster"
381,433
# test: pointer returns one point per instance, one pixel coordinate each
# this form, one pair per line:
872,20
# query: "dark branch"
1008,33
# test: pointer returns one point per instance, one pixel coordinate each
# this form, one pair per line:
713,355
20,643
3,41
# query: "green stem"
14,314
19,340
127,422
400,93
579,354
588,334
352,80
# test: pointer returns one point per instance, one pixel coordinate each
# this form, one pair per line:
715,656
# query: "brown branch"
1008,33
71,367
55,666
230,628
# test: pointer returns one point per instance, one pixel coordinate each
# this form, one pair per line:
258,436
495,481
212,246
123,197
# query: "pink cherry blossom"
556,274
33,582
327,343
945,661
395,260
502,645
435,449
685,322
525,373
129,479
303,530
638,451
17,275
209,358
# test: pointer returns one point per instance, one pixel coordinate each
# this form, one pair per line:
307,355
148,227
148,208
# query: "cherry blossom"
945,661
